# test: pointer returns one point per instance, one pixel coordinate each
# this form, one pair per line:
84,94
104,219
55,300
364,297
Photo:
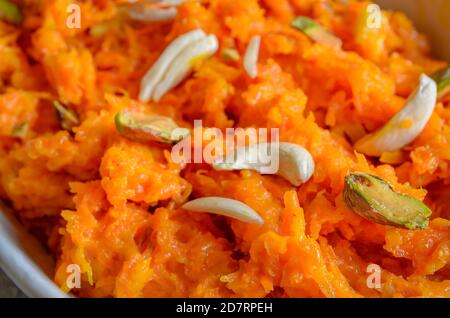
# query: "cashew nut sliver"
165,2
396,134
140,13
224,206
171,2
157,71
183,64
251,56
296,164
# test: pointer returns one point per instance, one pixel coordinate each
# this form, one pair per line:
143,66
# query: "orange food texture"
112,205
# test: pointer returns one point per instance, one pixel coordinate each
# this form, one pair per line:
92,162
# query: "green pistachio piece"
9,12
442,79
230,54
68,118
143,127
20,130
98,30
374,199
316,32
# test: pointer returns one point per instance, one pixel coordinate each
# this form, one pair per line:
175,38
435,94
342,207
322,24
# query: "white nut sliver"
251,56
171,2
157,71
295,163
184,62
224,206
164,2
143,14
404,126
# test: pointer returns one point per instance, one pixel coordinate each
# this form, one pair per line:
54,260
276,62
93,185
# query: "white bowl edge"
24,260
430,17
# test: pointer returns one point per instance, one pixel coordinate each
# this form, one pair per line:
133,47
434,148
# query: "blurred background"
431,17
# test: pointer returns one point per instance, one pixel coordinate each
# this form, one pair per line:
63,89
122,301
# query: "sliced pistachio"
143,127
316,31
184,63
404,126
10,12
442,79
374,199
20,130
68,118
251,56
230,54
295,163
224,206
157,71
98,30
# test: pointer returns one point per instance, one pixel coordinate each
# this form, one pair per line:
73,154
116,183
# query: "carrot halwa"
113,205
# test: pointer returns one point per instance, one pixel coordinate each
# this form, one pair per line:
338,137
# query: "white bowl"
431,17
24,260
30,267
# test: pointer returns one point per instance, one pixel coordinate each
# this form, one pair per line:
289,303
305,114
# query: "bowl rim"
24,260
